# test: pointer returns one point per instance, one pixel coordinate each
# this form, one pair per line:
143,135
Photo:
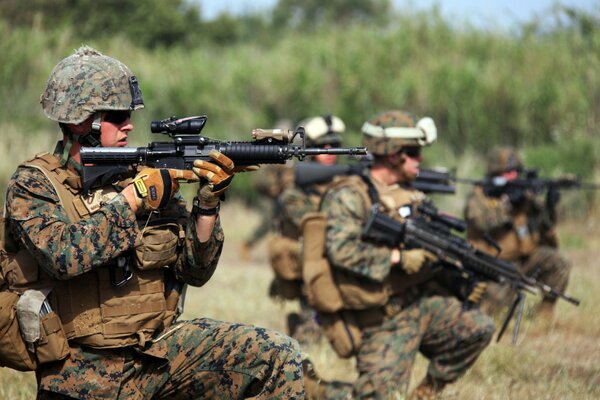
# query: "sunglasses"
412,151
117,117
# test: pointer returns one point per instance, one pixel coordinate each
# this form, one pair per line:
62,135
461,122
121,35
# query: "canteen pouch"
53,344
158,246
342,331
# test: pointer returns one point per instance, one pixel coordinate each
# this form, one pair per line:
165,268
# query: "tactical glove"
155,187
413,260
215,177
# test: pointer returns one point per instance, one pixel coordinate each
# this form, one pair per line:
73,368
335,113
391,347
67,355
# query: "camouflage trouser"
545,264
450,337
206,359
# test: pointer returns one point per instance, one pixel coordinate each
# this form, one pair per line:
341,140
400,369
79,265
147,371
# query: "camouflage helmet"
387,132
87,82
323,130
502,159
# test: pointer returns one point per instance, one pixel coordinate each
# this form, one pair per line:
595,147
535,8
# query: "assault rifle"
104,165
432,231
428,180
530,180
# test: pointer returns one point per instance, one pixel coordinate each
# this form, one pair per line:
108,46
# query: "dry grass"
559,361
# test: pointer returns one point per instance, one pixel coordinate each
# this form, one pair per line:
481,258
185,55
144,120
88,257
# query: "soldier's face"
326,159
115,128
405,167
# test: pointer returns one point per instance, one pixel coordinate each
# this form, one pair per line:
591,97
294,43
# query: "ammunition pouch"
47,344
284,255
158,246
342,331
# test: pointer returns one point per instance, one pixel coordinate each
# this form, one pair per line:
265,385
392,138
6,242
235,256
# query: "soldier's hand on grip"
215,178
155,187
413,260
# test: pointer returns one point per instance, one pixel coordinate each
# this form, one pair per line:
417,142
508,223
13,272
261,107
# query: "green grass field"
555,362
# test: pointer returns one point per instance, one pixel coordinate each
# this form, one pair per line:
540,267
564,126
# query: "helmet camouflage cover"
502,159
323,130
387,132
87,82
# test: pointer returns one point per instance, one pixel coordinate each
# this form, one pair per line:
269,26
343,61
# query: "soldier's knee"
285,345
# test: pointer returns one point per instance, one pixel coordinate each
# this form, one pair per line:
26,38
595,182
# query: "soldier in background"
268,182
293,204
103,275
380,304
522,224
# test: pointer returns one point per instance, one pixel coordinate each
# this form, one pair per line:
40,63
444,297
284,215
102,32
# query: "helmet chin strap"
90,139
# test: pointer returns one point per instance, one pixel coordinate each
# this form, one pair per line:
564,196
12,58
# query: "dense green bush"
538,89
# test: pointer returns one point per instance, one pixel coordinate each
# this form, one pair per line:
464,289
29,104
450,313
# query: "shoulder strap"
368,190
66,184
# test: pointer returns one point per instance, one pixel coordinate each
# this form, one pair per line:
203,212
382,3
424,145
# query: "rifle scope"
181,126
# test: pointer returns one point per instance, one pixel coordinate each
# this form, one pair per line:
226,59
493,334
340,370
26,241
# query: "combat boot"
428,389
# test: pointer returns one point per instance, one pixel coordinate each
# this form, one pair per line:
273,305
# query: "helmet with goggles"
502,159
323,130
392,131
88,82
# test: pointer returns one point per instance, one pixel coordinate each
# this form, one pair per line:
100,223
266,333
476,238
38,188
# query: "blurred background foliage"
536,86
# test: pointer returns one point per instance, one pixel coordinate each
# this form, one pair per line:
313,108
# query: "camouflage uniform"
384,312
526,238
423,321
219,359
122,342
293,204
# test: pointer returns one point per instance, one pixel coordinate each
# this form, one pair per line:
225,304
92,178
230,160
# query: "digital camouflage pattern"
86,82
438,327
347,213
498,218
64,249
223,360
294,204
198,359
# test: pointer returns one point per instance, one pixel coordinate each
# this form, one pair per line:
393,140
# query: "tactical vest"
517,241
93,311
347,303
284,251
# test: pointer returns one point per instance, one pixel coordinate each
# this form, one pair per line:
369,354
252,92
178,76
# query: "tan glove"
413,260
155,187
215,177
